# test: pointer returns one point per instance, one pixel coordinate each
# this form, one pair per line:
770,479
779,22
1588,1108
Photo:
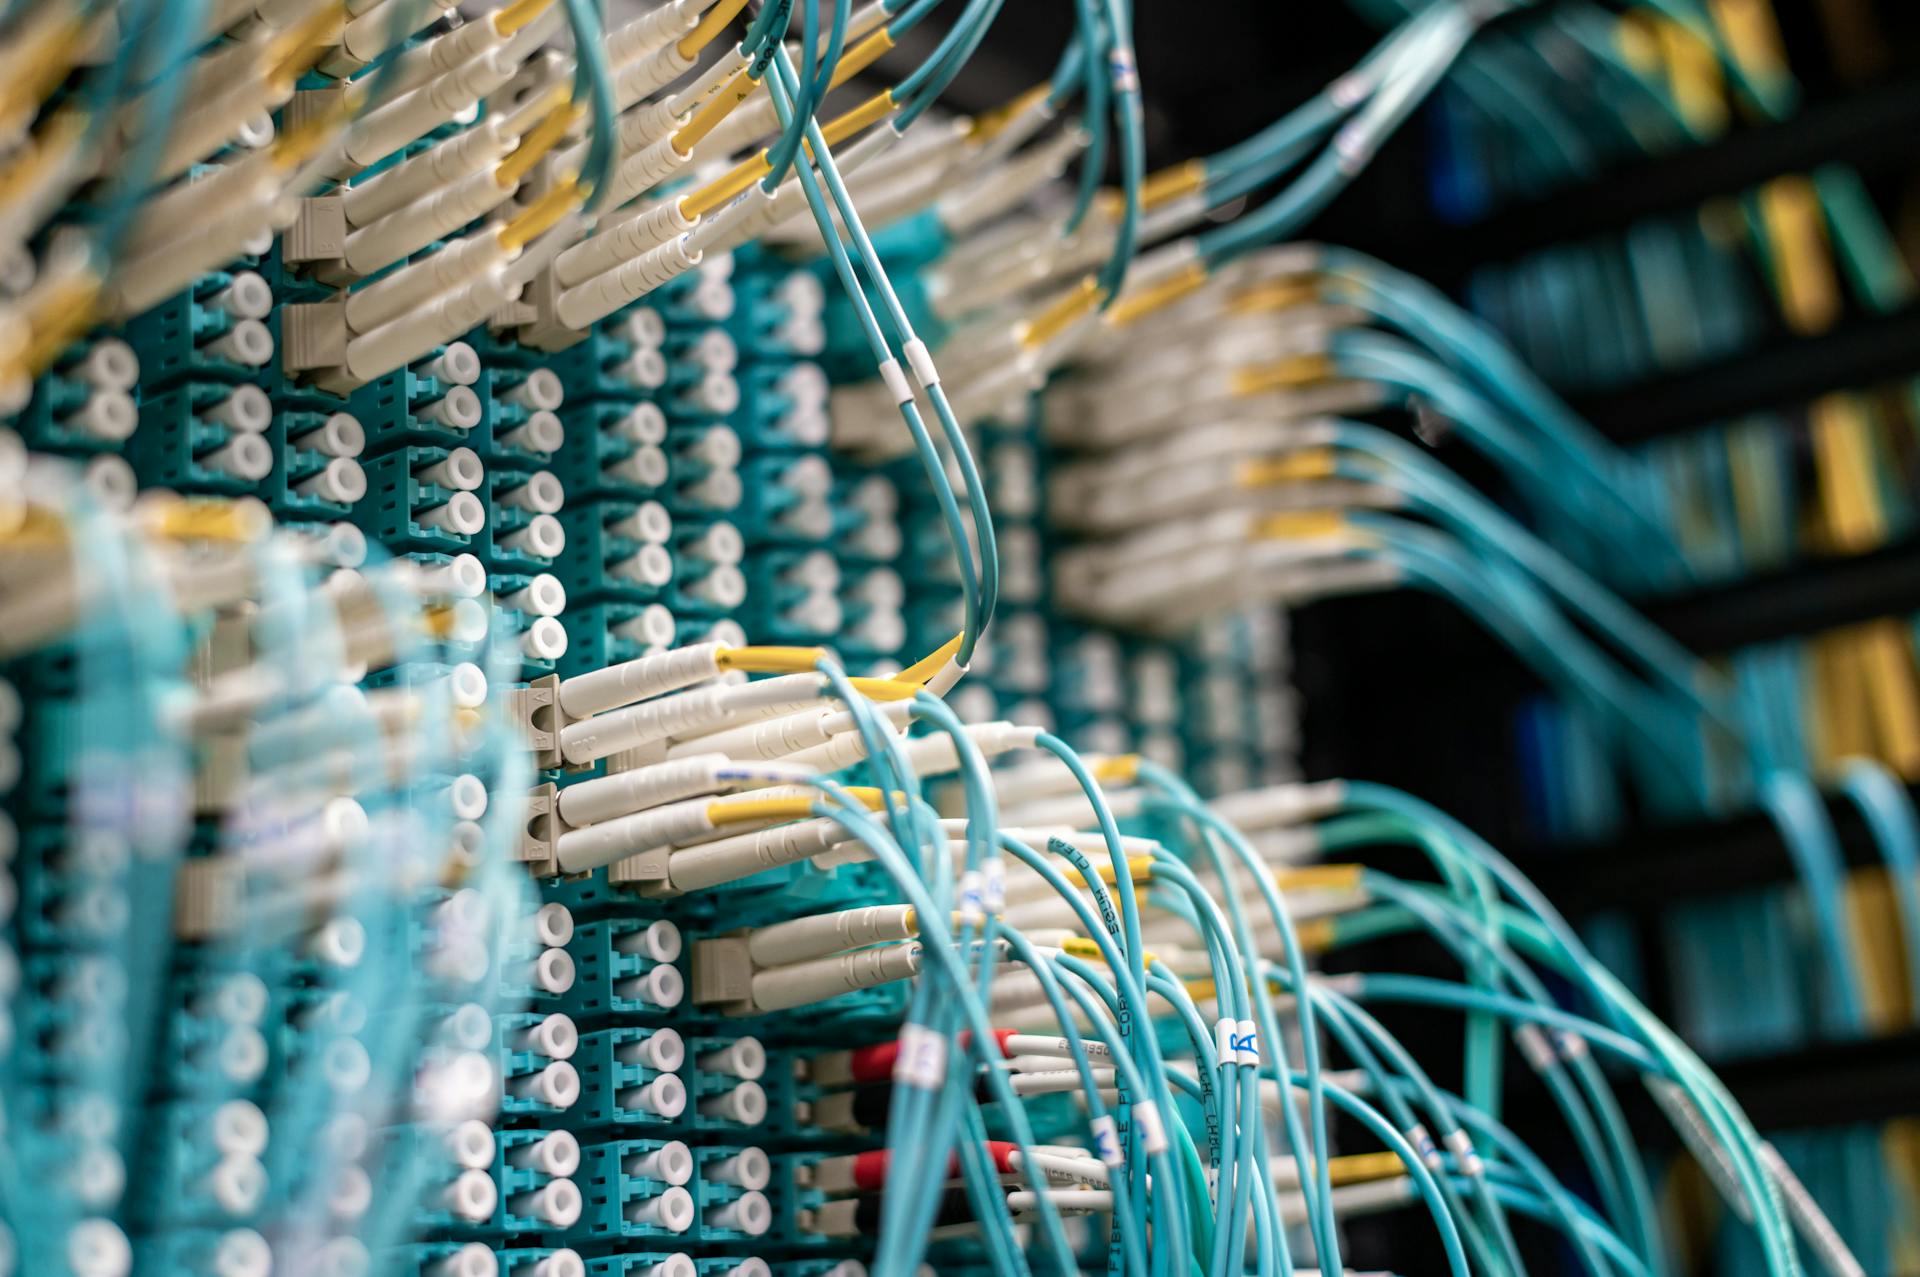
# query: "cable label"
1106,1140
1153,1132
1535,1047
994,885
896,382
1248,1043
921,362
1224,1031
1572,1045
1461,1145
922,1062
973,899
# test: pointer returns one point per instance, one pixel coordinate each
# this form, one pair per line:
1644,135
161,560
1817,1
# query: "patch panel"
477,901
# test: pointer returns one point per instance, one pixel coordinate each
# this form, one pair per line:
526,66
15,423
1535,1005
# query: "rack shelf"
1649,871
1871,130
1817,595
1826,1084
1783,371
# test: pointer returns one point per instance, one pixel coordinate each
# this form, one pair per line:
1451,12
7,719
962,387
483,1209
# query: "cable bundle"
258,867
361,927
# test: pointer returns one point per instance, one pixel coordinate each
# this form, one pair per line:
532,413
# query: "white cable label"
1248,1043
1106,1140
1462,1146
1572,1045
922,1062
1535,1047
1153,1132
1224,1032
921,361
1350,90
973,899
1126,75
1423,1146
994,891
896,381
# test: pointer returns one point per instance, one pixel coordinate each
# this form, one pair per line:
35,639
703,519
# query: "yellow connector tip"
1283,374
1309,463
1061,314
1364,1168
1319,878
1135,304
990,125
1278,294
771,660
1301,525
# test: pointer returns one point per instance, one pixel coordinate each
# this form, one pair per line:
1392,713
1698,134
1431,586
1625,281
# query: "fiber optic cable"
1890,815
1547,934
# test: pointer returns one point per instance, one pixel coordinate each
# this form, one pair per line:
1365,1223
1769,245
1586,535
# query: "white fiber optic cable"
442,164
683,713
787,735
622,793
820,935
401,341
638,680
708,864
431,217
413,114
601,295
783,988
368,36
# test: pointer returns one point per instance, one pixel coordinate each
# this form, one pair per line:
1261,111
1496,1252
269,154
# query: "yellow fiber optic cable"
542,215
710,26
927,666
749,171
538,141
